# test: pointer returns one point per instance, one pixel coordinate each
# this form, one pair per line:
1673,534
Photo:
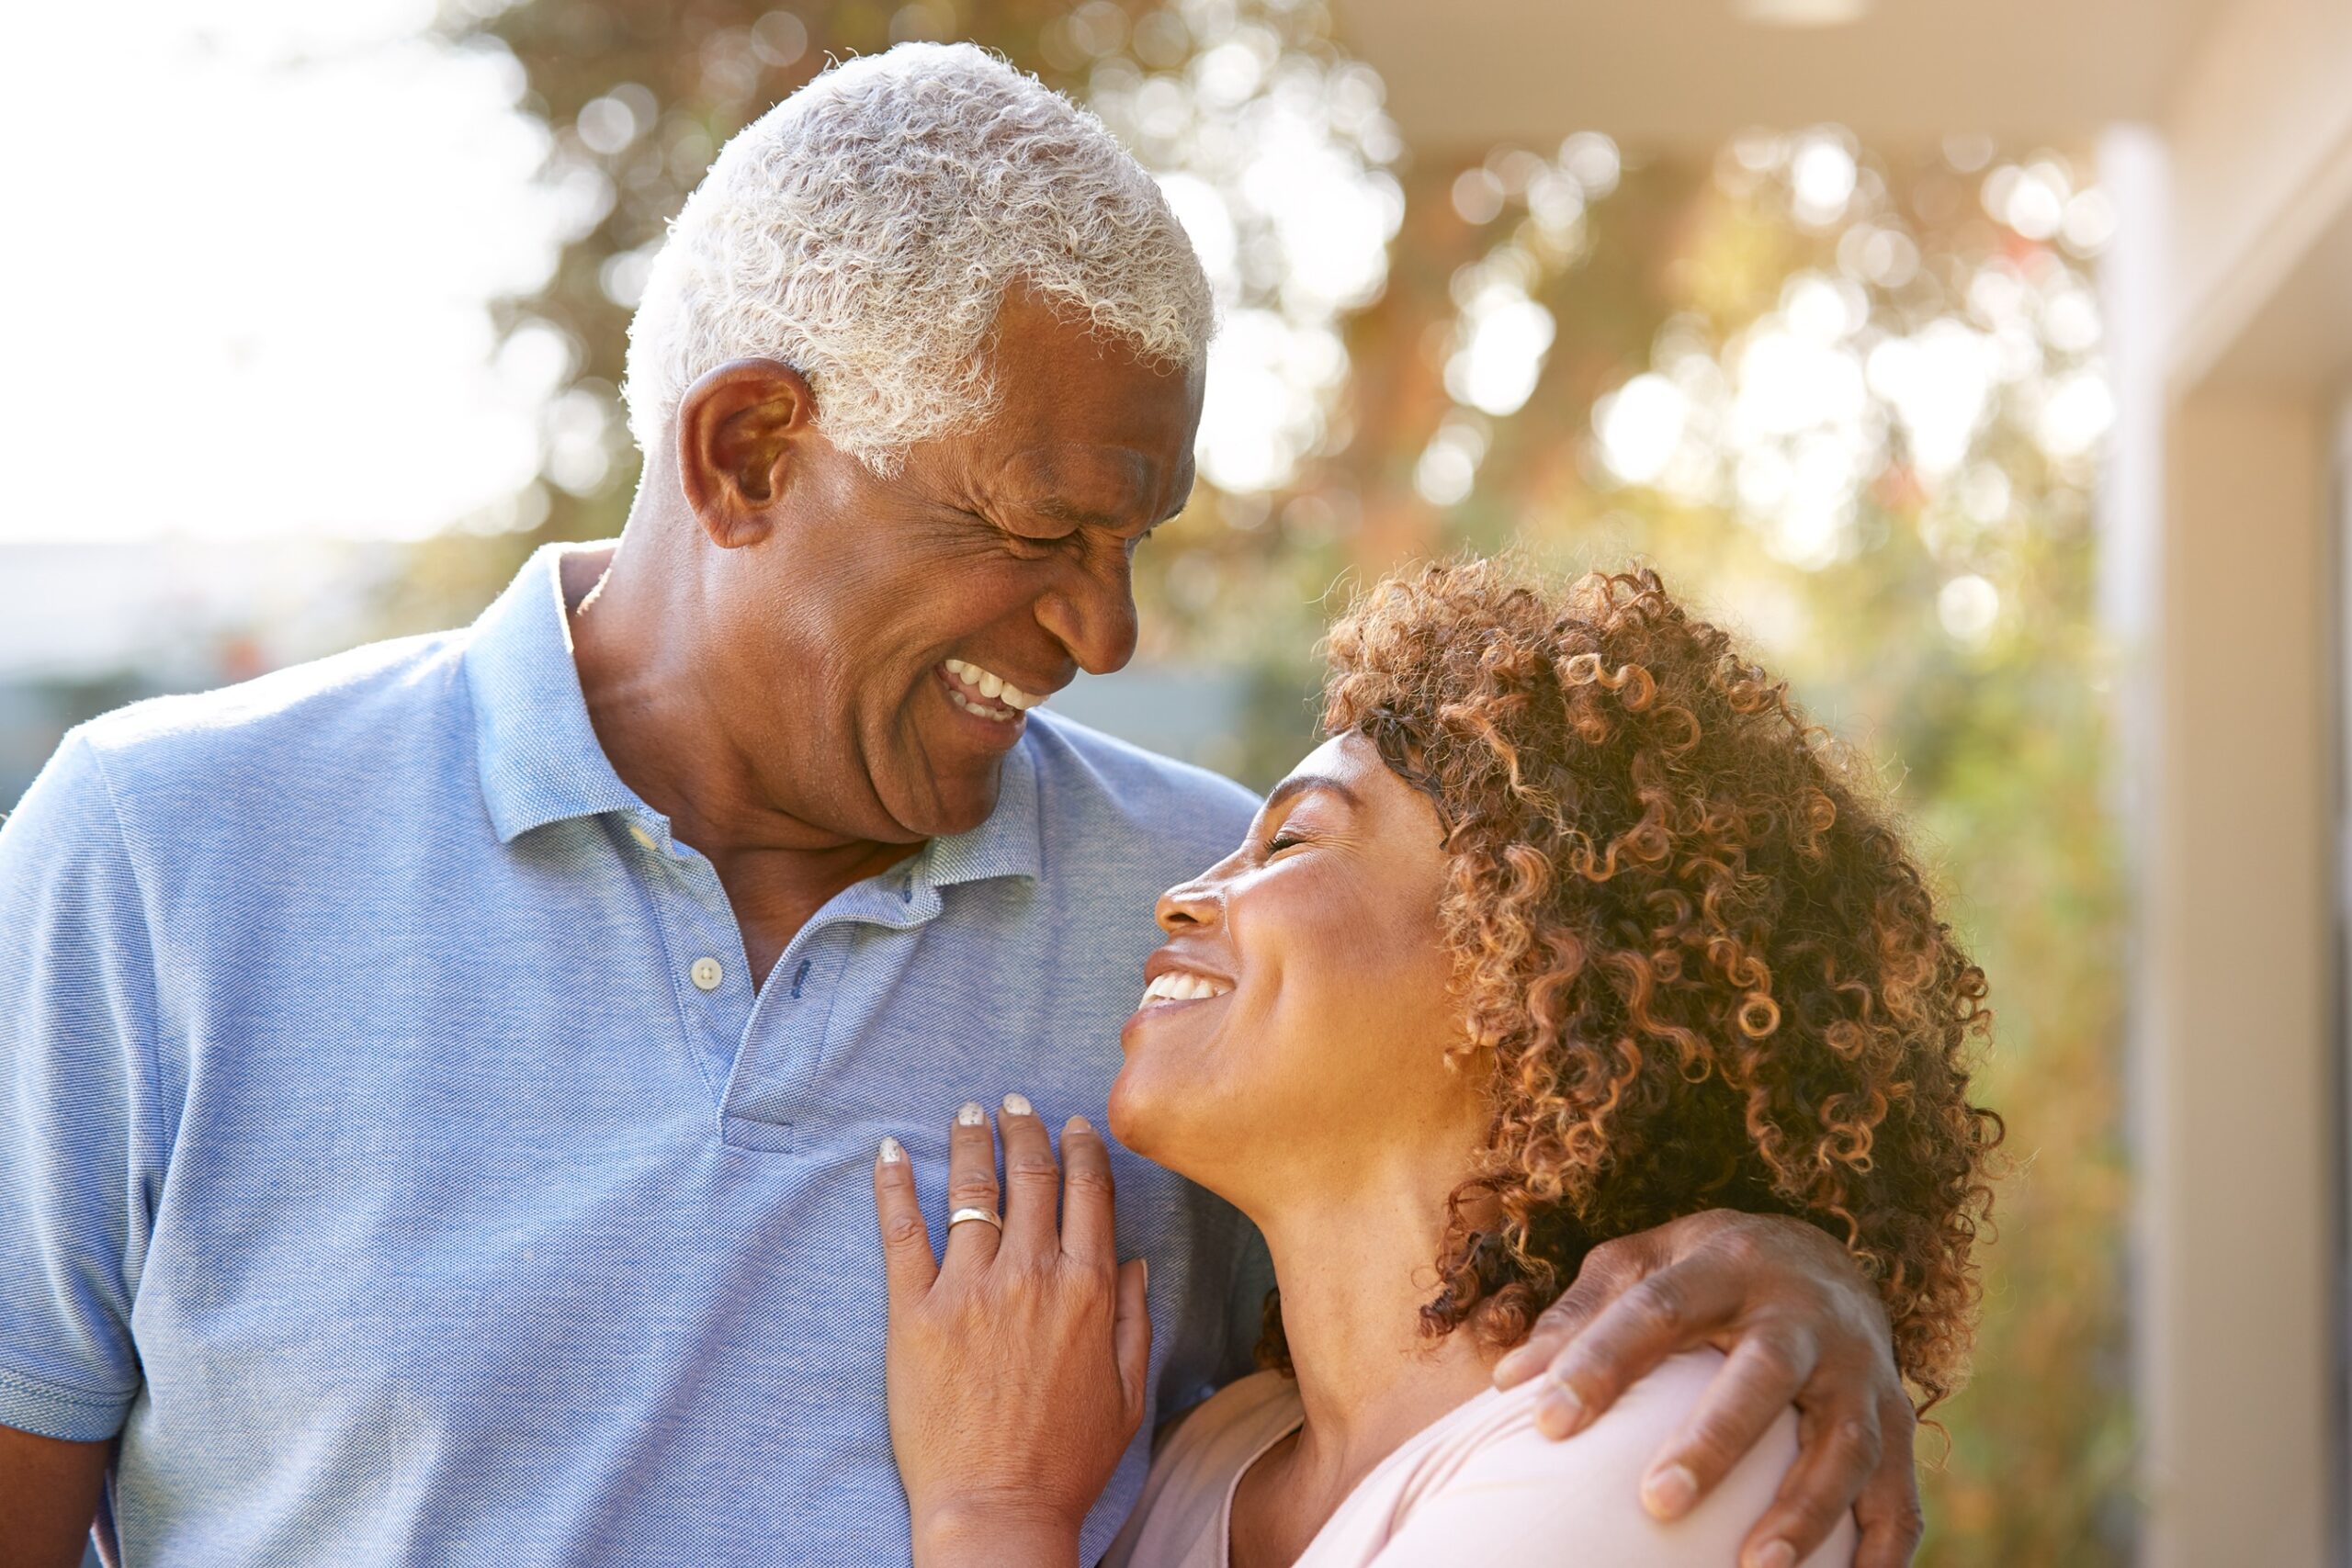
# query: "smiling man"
442,1079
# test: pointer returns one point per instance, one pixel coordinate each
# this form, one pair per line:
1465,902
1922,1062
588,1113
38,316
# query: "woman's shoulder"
1484,1485
1181,1519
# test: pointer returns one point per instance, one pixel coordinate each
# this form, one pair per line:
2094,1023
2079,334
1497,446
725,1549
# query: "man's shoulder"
338,710
1104,782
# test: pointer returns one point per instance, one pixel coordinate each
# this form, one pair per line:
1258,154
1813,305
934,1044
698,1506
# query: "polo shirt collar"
541,761
1009,843
538,756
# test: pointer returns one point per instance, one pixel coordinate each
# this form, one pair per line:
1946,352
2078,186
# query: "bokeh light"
267,238
1275,153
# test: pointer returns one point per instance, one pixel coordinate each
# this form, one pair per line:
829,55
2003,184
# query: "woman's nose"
1187,906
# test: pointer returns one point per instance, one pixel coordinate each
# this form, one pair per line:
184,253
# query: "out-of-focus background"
1987,365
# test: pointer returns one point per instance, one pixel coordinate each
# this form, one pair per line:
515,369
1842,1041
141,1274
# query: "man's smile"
984,693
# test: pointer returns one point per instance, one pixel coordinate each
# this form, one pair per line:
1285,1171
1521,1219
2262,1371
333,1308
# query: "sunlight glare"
299,263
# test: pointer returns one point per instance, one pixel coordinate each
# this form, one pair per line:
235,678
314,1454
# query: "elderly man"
442,1079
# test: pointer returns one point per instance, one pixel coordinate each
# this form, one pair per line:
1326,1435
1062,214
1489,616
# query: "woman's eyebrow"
1299,783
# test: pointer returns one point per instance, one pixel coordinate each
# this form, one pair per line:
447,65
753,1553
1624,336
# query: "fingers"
1131,1335
1032,1182
1087,1199
1760,1379
1888,1509
1608,1269
908,1267
1673,1309
971,1184
1840,1454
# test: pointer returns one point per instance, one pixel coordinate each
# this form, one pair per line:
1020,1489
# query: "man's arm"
76,986
1799,1325
49,1495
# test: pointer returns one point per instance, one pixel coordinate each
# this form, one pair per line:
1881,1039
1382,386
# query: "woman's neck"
1355,1267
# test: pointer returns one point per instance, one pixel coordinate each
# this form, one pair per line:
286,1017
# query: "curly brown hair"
1688,941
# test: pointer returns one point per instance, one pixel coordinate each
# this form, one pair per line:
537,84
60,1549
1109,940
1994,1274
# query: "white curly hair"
865,230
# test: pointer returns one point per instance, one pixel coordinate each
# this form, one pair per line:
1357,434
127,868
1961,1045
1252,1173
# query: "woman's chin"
1161,1119
1129,1114
1147,1113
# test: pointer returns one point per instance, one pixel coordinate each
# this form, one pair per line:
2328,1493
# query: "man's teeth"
1179,986
974,705
988,684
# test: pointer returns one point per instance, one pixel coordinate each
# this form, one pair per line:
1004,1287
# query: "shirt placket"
704,945
758,1048
787,1036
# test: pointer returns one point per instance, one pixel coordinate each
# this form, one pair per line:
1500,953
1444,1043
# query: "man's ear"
743,430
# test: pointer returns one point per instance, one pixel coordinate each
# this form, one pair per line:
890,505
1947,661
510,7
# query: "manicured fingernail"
1016,1104
971,1115
1078,1124
1775,1555
891,1152
1558,1411
1147,1273
1669,1492
1509,1367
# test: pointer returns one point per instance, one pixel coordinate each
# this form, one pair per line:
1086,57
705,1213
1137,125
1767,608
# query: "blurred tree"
1848,403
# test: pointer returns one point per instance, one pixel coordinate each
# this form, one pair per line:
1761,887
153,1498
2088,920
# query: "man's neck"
657,726
1355,1270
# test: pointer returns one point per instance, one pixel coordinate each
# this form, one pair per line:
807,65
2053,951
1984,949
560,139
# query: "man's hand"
1799,1325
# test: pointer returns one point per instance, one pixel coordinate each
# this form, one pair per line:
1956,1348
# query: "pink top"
1479,1484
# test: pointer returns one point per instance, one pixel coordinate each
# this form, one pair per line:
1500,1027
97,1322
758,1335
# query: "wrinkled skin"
763,659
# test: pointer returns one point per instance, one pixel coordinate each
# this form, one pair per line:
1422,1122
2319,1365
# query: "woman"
1572,926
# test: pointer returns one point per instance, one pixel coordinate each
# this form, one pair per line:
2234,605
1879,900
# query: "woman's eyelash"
1281,842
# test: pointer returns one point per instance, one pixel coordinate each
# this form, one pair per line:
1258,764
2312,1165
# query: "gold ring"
960,1215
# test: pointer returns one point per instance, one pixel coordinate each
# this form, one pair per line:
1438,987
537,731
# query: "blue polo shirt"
400,1161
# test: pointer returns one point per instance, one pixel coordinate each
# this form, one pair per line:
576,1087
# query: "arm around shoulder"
1520,1497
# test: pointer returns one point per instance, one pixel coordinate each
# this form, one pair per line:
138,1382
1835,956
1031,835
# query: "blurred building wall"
2237,676
2235,1161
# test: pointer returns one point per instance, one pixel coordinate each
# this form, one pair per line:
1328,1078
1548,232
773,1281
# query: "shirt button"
706,974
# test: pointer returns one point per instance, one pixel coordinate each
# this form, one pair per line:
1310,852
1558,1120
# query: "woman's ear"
744,431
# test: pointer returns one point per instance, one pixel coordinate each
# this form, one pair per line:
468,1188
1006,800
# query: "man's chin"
951,807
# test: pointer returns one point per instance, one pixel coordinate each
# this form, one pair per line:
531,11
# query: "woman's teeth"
982,692
1178,987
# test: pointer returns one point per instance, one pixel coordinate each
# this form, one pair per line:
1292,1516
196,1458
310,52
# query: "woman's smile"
1181,986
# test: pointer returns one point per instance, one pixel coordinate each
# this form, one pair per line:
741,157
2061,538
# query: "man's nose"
1092,612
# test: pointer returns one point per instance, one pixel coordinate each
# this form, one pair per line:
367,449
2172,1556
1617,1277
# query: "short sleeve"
76,1055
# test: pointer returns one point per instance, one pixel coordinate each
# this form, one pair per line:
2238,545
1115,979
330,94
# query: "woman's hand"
1016,1365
